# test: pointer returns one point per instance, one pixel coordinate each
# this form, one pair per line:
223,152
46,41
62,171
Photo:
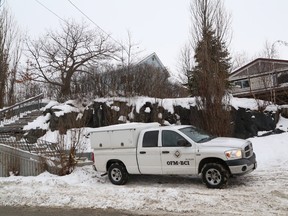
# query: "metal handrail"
19,105
39,146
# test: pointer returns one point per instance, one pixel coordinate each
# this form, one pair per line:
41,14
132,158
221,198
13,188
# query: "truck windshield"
196,134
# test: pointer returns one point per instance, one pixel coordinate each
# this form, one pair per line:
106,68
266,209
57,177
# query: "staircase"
18,125
12,136
23,111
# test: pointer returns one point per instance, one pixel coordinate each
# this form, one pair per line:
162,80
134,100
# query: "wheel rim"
116,174
213,176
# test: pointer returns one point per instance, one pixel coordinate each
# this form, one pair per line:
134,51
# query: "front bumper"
242,166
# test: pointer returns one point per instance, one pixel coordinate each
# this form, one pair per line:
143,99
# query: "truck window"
196,134
150,139
170,138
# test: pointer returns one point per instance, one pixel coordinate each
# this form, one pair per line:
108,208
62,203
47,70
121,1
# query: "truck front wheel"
214,175
117,174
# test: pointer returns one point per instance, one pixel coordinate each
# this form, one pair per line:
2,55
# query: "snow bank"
252,104
272,151
138,102
263,192
169,103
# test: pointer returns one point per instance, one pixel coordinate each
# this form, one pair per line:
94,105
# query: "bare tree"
4,67
129,51
142,80
129,55
58,56
16,55
269,50
239,60
204,14
210,13
10,53
186,63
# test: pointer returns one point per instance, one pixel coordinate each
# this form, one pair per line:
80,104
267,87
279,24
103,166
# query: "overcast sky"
160,26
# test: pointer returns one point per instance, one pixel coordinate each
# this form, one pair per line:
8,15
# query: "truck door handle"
165,152
142,152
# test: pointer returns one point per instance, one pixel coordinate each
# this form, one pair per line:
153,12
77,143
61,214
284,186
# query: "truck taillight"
92,156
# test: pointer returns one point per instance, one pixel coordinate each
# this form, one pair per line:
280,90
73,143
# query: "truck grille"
248,150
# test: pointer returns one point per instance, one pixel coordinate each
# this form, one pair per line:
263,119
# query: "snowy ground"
262,192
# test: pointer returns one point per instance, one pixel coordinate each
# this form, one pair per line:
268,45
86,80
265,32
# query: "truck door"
177,154
148,153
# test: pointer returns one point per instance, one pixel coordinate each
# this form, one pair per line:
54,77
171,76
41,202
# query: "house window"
242,84
282,77
237,84
245,84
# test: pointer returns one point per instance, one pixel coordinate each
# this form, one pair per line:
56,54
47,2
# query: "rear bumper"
242,166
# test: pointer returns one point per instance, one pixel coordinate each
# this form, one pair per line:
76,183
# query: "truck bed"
118,136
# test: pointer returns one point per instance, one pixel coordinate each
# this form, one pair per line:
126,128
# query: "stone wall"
246,123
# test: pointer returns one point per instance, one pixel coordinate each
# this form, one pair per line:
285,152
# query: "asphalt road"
44,211
48,211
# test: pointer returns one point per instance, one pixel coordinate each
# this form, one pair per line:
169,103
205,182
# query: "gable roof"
152,60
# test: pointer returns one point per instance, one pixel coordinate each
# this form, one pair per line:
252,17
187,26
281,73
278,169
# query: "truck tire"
214,175
118,174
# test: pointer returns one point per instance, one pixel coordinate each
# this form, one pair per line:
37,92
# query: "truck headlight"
234,154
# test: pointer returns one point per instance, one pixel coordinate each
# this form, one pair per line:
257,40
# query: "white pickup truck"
148,148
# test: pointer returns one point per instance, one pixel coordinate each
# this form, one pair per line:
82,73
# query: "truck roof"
178,126
127,126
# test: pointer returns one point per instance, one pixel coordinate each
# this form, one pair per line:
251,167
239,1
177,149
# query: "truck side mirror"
184,143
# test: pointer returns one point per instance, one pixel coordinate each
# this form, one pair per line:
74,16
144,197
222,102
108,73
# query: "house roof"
259,67
153,60
259,59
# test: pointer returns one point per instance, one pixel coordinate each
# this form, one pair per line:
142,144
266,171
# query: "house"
262,78
152,60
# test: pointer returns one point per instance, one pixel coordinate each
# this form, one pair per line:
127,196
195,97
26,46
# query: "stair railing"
32,103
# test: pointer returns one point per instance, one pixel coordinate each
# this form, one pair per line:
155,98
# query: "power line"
55,14
49,10
77,8
86,16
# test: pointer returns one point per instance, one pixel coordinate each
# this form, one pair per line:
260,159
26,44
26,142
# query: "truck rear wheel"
117,174
214,175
